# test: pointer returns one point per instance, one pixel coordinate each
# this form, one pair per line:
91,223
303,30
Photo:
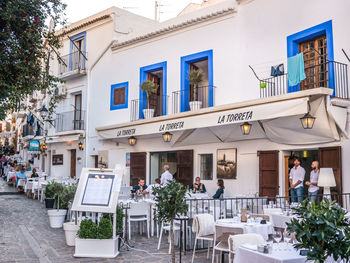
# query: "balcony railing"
332,75
72,62
193,98
156,102
31,130
70,121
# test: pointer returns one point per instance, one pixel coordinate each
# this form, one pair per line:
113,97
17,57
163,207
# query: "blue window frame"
185,69
143,77
81,35
119,86
321,29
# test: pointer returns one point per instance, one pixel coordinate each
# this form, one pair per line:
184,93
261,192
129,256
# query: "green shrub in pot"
49,189
67,196
322,229
104,229
88,229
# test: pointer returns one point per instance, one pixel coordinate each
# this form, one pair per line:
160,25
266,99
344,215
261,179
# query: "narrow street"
25,236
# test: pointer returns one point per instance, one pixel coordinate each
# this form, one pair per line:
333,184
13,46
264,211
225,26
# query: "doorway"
155,99
73,157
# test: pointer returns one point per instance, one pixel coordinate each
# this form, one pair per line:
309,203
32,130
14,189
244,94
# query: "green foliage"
53,189
66,196
88,229
195,77
322,229
104,229
120,217
149,87
27,46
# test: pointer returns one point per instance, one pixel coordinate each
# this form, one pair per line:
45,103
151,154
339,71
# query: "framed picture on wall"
127,161
57,159
226,166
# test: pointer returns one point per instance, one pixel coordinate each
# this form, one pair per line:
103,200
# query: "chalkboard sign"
57,159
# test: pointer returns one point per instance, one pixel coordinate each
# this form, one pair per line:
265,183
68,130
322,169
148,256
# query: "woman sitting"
34,173
219,193
21,174
198,187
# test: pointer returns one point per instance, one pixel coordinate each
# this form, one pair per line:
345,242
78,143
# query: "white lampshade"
326,178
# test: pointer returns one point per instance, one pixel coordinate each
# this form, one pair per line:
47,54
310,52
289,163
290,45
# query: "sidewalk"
26,237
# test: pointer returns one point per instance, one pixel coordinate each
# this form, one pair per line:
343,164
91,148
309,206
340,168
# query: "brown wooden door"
330,157
137,167
73,157
315,63
184,167
268,173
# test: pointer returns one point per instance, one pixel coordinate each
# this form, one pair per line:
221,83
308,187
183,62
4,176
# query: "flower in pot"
170,203
149,87
57,216
195,77
322,229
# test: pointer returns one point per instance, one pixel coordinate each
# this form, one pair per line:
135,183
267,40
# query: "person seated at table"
34,173
28,167
220,190
152,186
198,187
21,174
140,187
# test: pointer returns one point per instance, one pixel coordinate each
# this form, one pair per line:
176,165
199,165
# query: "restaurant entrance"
180,163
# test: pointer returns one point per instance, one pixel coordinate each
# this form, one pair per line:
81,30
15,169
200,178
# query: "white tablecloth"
257,228
10,175
245,255
280,220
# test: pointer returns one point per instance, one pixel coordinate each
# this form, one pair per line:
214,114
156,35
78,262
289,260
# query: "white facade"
244,33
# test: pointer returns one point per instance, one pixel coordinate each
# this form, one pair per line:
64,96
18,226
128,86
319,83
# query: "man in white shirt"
166,176
312,184
296,179
152,186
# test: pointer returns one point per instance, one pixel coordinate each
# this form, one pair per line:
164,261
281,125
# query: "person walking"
296,179
166,176
312,184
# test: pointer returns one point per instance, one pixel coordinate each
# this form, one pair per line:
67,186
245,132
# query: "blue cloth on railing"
296,69
277,70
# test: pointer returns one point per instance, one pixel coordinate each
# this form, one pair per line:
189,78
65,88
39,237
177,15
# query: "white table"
257,228
10,175
246,255
280,220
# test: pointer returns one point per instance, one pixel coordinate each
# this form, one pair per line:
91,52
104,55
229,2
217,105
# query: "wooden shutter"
137,167
330,157
119,96
268,173
184,167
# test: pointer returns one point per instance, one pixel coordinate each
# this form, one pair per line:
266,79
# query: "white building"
223,40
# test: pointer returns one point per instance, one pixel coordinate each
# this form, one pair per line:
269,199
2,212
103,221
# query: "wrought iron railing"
156,102
31,130
70,121
185,100
71,62
331,74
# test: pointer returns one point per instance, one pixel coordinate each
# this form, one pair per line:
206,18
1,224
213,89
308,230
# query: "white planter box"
195,105
148,113
56,217
96,248
70,231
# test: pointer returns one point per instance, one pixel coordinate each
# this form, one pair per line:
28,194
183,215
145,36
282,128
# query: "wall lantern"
132,140
81,146
43,112
307,121
167,136
246,127
44,146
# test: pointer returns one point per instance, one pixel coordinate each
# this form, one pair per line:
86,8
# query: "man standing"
166,176
312,184
296,179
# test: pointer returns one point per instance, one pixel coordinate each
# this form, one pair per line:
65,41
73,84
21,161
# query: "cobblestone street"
25,236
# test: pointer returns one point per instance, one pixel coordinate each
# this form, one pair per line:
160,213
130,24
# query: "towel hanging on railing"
296,69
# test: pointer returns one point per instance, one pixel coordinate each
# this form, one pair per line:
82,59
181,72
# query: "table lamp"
326,180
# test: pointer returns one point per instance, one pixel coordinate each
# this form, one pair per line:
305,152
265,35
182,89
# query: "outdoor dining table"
10,175
251,227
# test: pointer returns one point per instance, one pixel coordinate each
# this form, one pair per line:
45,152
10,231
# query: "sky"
79,9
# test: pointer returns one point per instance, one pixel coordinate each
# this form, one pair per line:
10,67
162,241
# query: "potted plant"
119,221
322,230
49,195
149,87
70,228
96,240
57,215
195,77
170,203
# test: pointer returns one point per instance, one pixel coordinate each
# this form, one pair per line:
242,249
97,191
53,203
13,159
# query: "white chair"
204,227
222,233
166,227
235,241
139,212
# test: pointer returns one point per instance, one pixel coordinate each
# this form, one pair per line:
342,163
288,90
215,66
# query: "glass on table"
277,236
287,237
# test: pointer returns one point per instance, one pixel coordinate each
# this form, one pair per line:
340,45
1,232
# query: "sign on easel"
97,192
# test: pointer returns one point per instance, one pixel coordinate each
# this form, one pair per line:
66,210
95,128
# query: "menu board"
98,189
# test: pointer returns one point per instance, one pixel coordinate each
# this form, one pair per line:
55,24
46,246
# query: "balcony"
29,130
70,121
157,102
72,65
193,99
332,74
